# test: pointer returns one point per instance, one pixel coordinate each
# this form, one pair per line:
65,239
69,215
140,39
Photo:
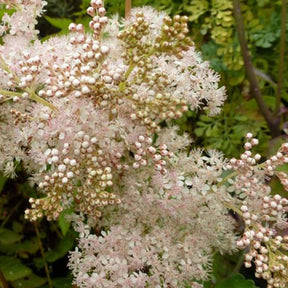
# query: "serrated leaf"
31,281
13,269
8,237
236,281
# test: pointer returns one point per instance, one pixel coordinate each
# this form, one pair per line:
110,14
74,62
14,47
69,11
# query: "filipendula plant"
84,112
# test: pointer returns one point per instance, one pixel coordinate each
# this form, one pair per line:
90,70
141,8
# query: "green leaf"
61,249
8,237
13,269
208,131
64,224
206,118
17,226
199,131
236,281
61,23
2,182
23,249
31,281
63,282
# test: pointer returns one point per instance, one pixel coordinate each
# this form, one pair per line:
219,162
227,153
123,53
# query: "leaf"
206,118
61,23
13,269
8,237
199,131
31,281
61,249
2,183
236,281
23,249
208,131
64,224
17,227
63,282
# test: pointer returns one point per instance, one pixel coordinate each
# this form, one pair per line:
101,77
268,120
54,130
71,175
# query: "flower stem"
35,97
10,93
3,65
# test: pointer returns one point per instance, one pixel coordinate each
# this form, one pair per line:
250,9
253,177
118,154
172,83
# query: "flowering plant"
90,117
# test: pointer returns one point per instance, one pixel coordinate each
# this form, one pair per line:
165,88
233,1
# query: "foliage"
21,260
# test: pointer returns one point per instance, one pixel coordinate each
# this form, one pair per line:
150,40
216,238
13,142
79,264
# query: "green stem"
133,64
43,255
231,175
232,207
10,93
35,97
272,122
281,57
130,69
3,65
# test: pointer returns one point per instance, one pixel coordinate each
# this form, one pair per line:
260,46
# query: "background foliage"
33,255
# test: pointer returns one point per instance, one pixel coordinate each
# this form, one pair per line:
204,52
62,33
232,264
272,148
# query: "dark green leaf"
63,223
64,282
61,249
13,269
31,281
2,183
61,23
8,237
236,281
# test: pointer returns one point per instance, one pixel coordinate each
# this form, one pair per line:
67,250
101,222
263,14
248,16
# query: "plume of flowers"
83,113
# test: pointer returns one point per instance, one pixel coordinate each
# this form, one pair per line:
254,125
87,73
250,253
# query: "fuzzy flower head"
23,21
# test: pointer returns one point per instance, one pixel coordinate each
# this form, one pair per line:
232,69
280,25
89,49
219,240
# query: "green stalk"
35,97
10,93
3,65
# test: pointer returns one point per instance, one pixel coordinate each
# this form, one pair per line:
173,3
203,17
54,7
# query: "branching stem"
35,97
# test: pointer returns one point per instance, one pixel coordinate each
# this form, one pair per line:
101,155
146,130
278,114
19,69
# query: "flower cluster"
84,112
264,215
